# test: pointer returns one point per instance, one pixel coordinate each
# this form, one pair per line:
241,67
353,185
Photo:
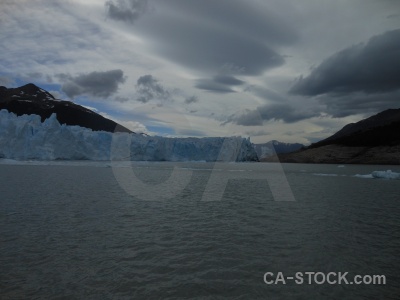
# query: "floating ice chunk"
364,176
386,174
323,174
380,174
340,166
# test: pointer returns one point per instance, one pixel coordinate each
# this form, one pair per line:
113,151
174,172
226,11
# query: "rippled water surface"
76,231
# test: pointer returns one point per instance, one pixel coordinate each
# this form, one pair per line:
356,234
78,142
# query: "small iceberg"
323,174
386,174
380,174
369,176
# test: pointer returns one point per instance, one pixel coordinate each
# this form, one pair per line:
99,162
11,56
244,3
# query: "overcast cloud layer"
290,70
364,78
230,36
373,67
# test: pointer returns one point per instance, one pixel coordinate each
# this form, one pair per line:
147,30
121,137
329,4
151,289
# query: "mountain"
30,99
275,147
374,140
382,129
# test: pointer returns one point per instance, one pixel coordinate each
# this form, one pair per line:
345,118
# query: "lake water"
87,230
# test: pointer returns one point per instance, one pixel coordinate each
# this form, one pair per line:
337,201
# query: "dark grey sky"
272,69
96,84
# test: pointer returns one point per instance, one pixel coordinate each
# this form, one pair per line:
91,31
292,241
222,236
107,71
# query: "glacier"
27,138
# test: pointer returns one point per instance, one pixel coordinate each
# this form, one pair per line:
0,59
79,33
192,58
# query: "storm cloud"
362,79
209,35
97,84
227,80
213,86
359,103
373,67
191,99
277,112
149,88
265,93
126,10
219,84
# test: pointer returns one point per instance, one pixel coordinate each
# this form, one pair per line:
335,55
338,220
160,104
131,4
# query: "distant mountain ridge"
30,99
374,140
381,119
275,147
382,129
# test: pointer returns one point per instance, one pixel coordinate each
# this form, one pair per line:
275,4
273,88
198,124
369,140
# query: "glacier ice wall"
26,137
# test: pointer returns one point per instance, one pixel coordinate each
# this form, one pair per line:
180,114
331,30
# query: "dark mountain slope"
375,140
382,129
30,99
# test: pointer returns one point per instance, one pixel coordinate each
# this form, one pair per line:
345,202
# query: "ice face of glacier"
26,137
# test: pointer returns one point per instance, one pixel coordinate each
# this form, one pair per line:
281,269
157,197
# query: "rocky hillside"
30,99
338,154
382,129
375,140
